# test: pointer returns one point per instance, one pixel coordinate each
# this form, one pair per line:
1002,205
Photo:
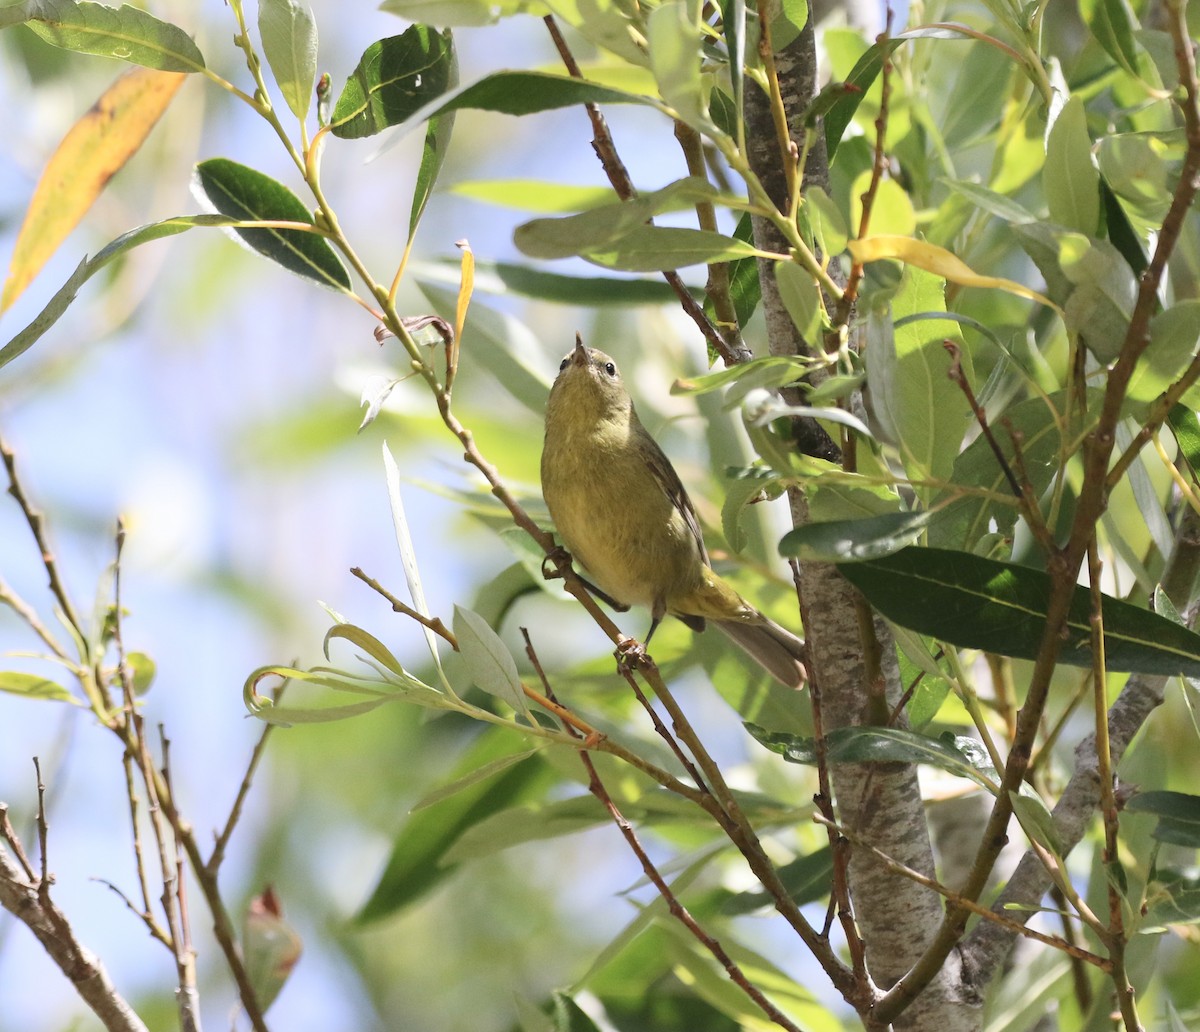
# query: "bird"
622,512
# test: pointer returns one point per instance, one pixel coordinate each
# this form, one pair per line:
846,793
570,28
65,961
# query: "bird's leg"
631,652
560,558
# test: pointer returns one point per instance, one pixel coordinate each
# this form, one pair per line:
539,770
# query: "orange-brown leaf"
92,152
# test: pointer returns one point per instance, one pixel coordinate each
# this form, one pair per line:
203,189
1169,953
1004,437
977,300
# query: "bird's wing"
662,471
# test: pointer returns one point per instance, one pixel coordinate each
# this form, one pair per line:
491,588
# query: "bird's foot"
631,654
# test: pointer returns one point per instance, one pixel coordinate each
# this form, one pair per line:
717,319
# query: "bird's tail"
779,652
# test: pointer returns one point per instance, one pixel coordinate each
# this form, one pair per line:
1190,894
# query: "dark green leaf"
1179,806
1186,428
744,289
395,78
868,744
841,541
1120,231
415,865
245,194
979,603
1036,821
1113,28
586,291
124,33
861,76
437,141
1070,178
526,93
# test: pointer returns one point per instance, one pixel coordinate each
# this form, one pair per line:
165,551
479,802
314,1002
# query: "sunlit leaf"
31,686
289,40
854,540
1070,177
124,33
394,79
92,152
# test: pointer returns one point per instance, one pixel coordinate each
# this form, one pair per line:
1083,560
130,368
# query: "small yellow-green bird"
622,512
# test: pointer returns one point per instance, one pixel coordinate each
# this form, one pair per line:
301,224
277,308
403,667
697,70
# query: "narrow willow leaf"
801,297
869,744
271,947
526,93
285,715
243,193
595,228
416,864
408,554
937,260
92,152
1178,806
1070,177
394,79
587,291
87,268
979,603
739,494
673,38
862,75
32,686
534,195
998,204
366,641
124,33
1113,28
854,540
488,660
1186,427
437,141
488,770
289,40
769,371
745,290
662,248
1036,821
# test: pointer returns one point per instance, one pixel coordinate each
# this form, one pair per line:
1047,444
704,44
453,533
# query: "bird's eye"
610,369
563,364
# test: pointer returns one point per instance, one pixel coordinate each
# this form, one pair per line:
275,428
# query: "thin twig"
622,184
677,909
398,606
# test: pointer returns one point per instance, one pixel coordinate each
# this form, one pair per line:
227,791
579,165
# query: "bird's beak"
579,356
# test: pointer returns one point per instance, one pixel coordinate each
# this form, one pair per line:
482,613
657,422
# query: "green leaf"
979,603
1178,815
868,744
416,863
768,371
394,79
124,33
924,410
801,297
144,669
661,248
527,93
584,291
745,290
842,541
534,195
87,268
739,493
1103,293
1186,428
289,40
31,686
488,660
1113,27
536,822
597,227
243,193
806,879
1036,821
568,1016
1070,178
998,204
864,72
454,13
673,38
488,770
1174,334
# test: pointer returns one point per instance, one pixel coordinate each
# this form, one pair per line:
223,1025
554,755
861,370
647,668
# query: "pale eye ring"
610,369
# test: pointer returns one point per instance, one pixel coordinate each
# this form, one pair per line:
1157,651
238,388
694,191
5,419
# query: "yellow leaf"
92,152
939,261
